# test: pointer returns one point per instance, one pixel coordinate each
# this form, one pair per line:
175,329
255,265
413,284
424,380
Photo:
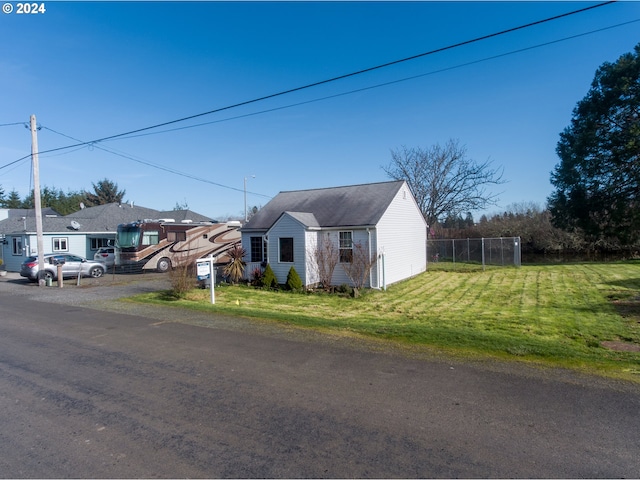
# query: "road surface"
96,394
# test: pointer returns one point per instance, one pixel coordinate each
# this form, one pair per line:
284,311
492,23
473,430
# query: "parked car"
71,265
106,255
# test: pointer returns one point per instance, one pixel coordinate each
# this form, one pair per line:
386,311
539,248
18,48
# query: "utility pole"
36,199
246,214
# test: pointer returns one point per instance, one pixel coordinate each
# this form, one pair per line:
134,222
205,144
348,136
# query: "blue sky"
90,70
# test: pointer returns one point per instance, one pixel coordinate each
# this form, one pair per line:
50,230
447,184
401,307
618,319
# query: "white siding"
367,239
246,244
287,227
358,236
311,269
402,235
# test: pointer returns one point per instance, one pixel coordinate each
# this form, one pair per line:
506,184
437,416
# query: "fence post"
483,254
453,243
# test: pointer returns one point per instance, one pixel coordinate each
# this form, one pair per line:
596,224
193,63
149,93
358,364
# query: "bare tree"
326,256
361,263
443,180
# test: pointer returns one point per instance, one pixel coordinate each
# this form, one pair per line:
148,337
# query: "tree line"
104,191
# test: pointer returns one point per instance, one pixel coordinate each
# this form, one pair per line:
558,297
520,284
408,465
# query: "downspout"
384,273
265,239
370,270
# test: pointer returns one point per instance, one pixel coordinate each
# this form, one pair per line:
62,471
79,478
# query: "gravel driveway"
90,290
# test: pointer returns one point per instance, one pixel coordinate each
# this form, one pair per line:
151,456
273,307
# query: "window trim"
62,244
150,236
280,259
262,254
174,236
17,247
96,243
345,253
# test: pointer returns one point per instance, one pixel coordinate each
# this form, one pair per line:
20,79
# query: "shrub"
345,289
256,277
235,268
183,279
269,278
294,283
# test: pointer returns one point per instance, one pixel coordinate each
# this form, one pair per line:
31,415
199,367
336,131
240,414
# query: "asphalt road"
91,393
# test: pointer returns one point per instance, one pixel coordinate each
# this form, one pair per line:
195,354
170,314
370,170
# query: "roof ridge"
342,186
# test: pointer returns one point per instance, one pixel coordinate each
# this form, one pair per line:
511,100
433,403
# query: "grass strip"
552,314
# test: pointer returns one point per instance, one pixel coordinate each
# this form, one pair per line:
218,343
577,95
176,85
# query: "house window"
258,249
16,246
176,236
60,244
150,237
286,250
346,247
97,243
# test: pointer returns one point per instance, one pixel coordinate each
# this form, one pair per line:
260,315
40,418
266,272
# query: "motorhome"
163,244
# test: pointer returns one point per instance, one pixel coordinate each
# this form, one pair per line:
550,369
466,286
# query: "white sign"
203,270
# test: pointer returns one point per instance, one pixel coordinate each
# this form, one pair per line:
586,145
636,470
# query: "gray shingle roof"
101,218
355,205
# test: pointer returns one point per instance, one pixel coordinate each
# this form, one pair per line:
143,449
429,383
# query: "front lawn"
562,315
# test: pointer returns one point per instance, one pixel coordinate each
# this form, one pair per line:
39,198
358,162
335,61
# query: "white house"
383,218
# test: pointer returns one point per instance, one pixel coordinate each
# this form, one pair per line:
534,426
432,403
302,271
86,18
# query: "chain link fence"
502,251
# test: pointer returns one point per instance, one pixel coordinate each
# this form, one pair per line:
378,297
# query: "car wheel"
48,275
96,272
164,264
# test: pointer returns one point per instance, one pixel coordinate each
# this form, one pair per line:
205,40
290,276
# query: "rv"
164,244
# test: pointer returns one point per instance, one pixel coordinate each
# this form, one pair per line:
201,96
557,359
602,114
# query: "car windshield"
128,237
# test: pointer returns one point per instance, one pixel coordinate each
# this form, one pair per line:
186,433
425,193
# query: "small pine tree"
269,278
294,283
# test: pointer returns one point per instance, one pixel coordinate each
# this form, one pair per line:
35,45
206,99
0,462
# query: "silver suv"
71,266
106,255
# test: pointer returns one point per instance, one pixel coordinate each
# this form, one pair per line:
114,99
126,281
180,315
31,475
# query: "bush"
256,277
345,289
294,283
183,279
269,278
235,268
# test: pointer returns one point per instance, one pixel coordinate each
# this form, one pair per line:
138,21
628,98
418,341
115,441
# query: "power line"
159,167
340,77
186,175
385,84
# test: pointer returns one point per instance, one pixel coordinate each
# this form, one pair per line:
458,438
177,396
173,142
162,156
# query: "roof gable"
355,205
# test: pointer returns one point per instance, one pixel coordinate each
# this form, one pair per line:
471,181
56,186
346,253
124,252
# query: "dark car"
71,266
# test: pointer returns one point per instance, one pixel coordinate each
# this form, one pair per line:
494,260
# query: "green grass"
554,314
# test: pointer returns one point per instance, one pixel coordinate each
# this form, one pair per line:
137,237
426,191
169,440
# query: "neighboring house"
80,233
384,218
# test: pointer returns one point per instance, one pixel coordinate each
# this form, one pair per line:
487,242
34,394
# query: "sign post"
206,271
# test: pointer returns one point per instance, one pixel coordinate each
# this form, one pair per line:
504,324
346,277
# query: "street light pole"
246,216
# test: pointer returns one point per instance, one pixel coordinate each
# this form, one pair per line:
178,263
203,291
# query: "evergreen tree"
105,191
598,178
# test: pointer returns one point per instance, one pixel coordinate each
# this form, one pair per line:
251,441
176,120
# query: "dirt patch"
621,346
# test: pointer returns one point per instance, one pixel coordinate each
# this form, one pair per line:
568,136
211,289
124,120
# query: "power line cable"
391,82
159,167
341,77
92,143
176,172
